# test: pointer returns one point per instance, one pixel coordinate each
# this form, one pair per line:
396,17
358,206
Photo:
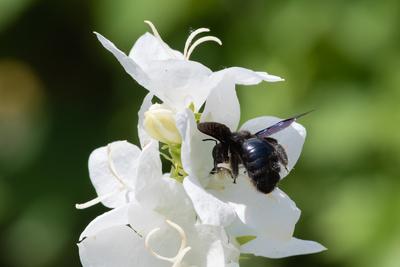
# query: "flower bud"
159,123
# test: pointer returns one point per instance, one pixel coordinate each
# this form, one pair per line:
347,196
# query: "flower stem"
174,156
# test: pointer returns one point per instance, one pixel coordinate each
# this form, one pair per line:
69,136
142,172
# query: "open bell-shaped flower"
132,236
148,232
268,218
171,76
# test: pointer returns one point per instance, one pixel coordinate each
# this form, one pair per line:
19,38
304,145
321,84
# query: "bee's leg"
220,156
215,168
280,151
234,162
282,156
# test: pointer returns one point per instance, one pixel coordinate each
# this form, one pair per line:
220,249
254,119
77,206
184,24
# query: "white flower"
151,230
134,236
270,218
152,214
158,221
171,76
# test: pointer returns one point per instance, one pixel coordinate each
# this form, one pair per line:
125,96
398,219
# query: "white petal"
210,209
238,228
180,82
166,240
195,153
281,248
124,157
144,137
272,215
247,77
114,217
169,198
148,171
291,138
130,66
215,256
210,247
118,246
143,220
222,105
149,48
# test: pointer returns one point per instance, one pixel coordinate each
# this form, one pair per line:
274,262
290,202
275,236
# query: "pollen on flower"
176,260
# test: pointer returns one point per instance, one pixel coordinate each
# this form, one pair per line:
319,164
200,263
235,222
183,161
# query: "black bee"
261,155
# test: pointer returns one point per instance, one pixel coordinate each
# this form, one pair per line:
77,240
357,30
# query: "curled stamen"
153,28
115,174
191,37
157,35
202,40
97,200
176,260
112,169
180,256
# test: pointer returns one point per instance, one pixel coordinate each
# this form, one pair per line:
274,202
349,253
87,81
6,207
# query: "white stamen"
180,256
115,174
176,260
153,28
157,35
97,200
112,169
202,40
191,37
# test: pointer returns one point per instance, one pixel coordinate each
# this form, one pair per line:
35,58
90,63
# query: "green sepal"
191,106
245,239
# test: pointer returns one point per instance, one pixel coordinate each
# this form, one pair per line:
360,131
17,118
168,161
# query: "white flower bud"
160,124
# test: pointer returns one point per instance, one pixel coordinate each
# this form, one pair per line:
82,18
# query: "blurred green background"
62,95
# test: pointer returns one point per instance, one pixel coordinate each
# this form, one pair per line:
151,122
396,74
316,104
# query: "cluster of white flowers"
187,217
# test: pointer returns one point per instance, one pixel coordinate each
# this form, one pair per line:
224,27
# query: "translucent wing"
279,126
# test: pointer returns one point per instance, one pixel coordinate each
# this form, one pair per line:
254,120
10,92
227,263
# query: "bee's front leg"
234,162
220,156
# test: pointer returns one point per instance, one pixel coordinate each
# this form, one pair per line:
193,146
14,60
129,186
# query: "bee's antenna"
209,139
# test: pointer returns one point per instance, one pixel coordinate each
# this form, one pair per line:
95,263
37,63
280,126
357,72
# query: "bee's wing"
279,126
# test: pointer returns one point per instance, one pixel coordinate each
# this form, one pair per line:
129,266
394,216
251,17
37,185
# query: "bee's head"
217,130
